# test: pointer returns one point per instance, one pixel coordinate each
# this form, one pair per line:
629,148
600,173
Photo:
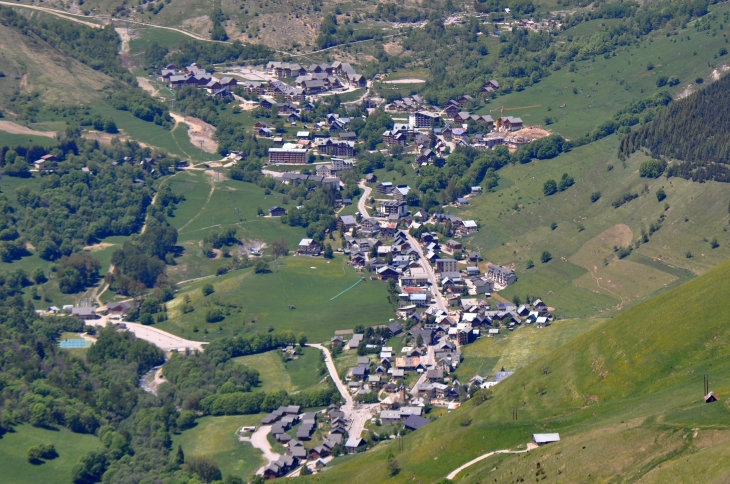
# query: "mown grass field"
15,468
606,85
217,438
292,376
264,300
626,397
515,224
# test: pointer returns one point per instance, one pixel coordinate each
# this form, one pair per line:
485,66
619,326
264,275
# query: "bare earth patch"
532,133
13,128
393,48
106,138
408,80
145,84
99,246
198,25
215,175
686,92
199,131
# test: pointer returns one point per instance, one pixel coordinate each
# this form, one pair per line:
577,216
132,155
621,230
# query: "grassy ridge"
630,387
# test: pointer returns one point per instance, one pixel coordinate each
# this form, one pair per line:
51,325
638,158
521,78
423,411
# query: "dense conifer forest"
694,130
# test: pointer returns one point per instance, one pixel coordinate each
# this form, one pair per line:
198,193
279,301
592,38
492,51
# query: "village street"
260,441
439,299
358,415
363,199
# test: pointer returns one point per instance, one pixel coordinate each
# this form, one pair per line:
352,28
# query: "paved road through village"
357,414
437,296
365,195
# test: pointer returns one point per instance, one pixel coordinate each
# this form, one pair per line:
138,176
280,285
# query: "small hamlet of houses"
430,131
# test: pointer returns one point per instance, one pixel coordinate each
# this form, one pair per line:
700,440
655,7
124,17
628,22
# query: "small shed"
542,439
710,397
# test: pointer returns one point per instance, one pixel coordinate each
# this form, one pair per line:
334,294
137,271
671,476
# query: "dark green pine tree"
179,456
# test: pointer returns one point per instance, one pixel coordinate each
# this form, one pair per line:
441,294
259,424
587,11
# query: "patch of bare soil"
99,246
24,82
532,133
199,25
145,84
106,138
14,128
215,175
393,48
686,92
408,80
199,131
124,48
249,105
281,32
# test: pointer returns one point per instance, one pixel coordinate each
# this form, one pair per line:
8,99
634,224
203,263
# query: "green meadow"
217,439
595,89
326,296
293,376
516,349
585,276
15,468
211,205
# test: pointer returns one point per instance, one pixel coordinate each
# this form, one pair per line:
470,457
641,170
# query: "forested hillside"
695,130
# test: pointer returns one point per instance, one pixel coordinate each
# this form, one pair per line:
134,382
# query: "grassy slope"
697,212
14,468
58,79
265,299
625,396
292,376
514,350
613,83
203,212
216,438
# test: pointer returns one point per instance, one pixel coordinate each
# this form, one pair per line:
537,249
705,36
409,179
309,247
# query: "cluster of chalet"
331,138
194,75
409,104
318,78
274,89
285,418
